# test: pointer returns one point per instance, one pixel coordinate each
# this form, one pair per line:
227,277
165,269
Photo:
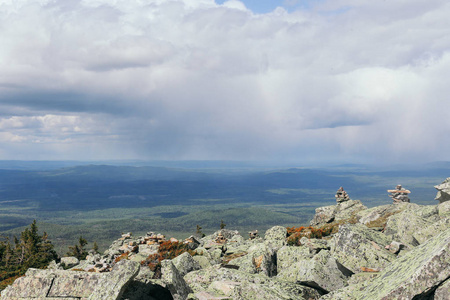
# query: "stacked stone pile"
396,251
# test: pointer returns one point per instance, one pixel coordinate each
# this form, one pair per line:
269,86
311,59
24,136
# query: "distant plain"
101,200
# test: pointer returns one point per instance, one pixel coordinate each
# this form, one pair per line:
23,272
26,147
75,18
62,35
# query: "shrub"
167,250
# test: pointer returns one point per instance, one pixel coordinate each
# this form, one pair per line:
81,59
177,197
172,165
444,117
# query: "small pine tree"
222,224
95,247
199,232
78,250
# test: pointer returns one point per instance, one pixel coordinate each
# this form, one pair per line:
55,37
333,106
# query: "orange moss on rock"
296,233
167,250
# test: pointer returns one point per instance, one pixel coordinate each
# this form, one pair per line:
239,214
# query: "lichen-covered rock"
252,286
69,261
414,275
261,258
348,209
342,211
323,215
289,255
356,246
202,261
402,226
225,287
314,245
378,213
174,281
443,194
185,263
423,234
444,209
276,236
322,272
49,284
443,291
428,212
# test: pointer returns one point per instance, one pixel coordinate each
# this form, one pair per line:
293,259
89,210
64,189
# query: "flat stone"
415,274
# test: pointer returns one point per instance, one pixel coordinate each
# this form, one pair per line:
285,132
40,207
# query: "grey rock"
348,209
342,211
443,194
54,266
443,291
202,261
185,263
48,284
402,226
252,286
174,281
444,209
414,275
323,215
276,236
423,234
355,246
261,258
69,261
395,247
289,255
322,272
314,245
380,212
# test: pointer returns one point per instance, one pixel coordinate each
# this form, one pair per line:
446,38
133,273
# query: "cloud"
343,79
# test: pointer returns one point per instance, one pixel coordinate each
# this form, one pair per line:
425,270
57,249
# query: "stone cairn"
400,194
221,239
341,195
443,193
253,234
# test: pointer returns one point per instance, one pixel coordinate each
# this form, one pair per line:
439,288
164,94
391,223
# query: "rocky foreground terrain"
396,251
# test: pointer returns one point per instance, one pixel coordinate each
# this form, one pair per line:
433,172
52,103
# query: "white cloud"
193,79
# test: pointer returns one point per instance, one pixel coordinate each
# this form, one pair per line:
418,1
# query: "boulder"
348,209
378,215
323,215
243,286
443,194
322,272
50,284
289,255
402,226
342,211
276,236
444,209
202,261
423,234
69,262
174,281
185,263
314,245
443,291
355,246
415,275
261,258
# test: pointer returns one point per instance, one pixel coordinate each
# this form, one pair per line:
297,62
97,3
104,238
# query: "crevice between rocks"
314,285
429,295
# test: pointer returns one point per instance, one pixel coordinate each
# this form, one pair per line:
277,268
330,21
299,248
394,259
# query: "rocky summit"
394,251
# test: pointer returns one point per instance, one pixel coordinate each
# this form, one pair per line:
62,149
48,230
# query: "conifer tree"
30,251
78,250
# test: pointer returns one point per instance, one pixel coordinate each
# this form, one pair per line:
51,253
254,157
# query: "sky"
339,81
